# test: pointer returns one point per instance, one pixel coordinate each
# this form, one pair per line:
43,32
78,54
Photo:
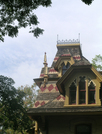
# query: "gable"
63,63
69,86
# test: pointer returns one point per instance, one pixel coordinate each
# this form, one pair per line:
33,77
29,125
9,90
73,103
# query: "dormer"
65,67
63,63
80,85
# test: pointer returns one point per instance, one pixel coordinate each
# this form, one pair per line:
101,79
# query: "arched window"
91,93
82,90
72,99
83,129
64,68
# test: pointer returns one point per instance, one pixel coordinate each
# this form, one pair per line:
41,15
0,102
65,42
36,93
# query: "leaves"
97,62
37,31
30,95
15,14
12,112
88,2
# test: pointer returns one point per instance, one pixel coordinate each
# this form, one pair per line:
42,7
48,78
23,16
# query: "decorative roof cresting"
68,41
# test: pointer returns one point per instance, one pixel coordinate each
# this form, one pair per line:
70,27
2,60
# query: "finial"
45,59
45,64
45,70
79,37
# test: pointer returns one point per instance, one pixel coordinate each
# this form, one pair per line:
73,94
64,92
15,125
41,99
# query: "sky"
22,58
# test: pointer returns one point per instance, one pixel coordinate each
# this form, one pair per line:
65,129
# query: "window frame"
65,69
72,91
91,90
86,90
82,90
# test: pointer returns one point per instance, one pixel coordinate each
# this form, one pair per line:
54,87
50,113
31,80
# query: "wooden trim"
97,73
71,44
87,90
77,91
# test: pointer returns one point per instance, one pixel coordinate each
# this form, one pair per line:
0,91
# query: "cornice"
69,110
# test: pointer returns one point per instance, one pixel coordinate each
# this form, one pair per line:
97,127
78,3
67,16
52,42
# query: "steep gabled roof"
78,66
49,96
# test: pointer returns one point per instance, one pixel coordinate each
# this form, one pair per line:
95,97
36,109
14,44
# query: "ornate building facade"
69,99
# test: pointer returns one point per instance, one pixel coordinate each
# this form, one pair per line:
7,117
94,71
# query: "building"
69,99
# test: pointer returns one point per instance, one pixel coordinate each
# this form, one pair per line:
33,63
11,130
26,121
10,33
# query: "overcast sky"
22,58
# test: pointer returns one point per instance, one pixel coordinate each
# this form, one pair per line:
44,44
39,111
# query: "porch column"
36,127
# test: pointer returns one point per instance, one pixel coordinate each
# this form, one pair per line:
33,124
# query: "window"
64,68
91,92
73,93
83,129
82,91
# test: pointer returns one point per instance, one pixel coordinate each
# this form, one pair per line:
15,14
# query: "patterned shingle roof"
83,61
49,96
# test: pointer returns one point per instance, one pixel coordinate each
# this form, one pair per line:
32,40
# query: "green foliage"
12,112
88,2
15,14
30,95
11,131
97,62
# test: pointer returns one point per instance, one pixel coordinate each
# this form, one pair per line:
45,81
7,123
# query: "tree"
97,62
30,95
12,112
15,14
88,2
